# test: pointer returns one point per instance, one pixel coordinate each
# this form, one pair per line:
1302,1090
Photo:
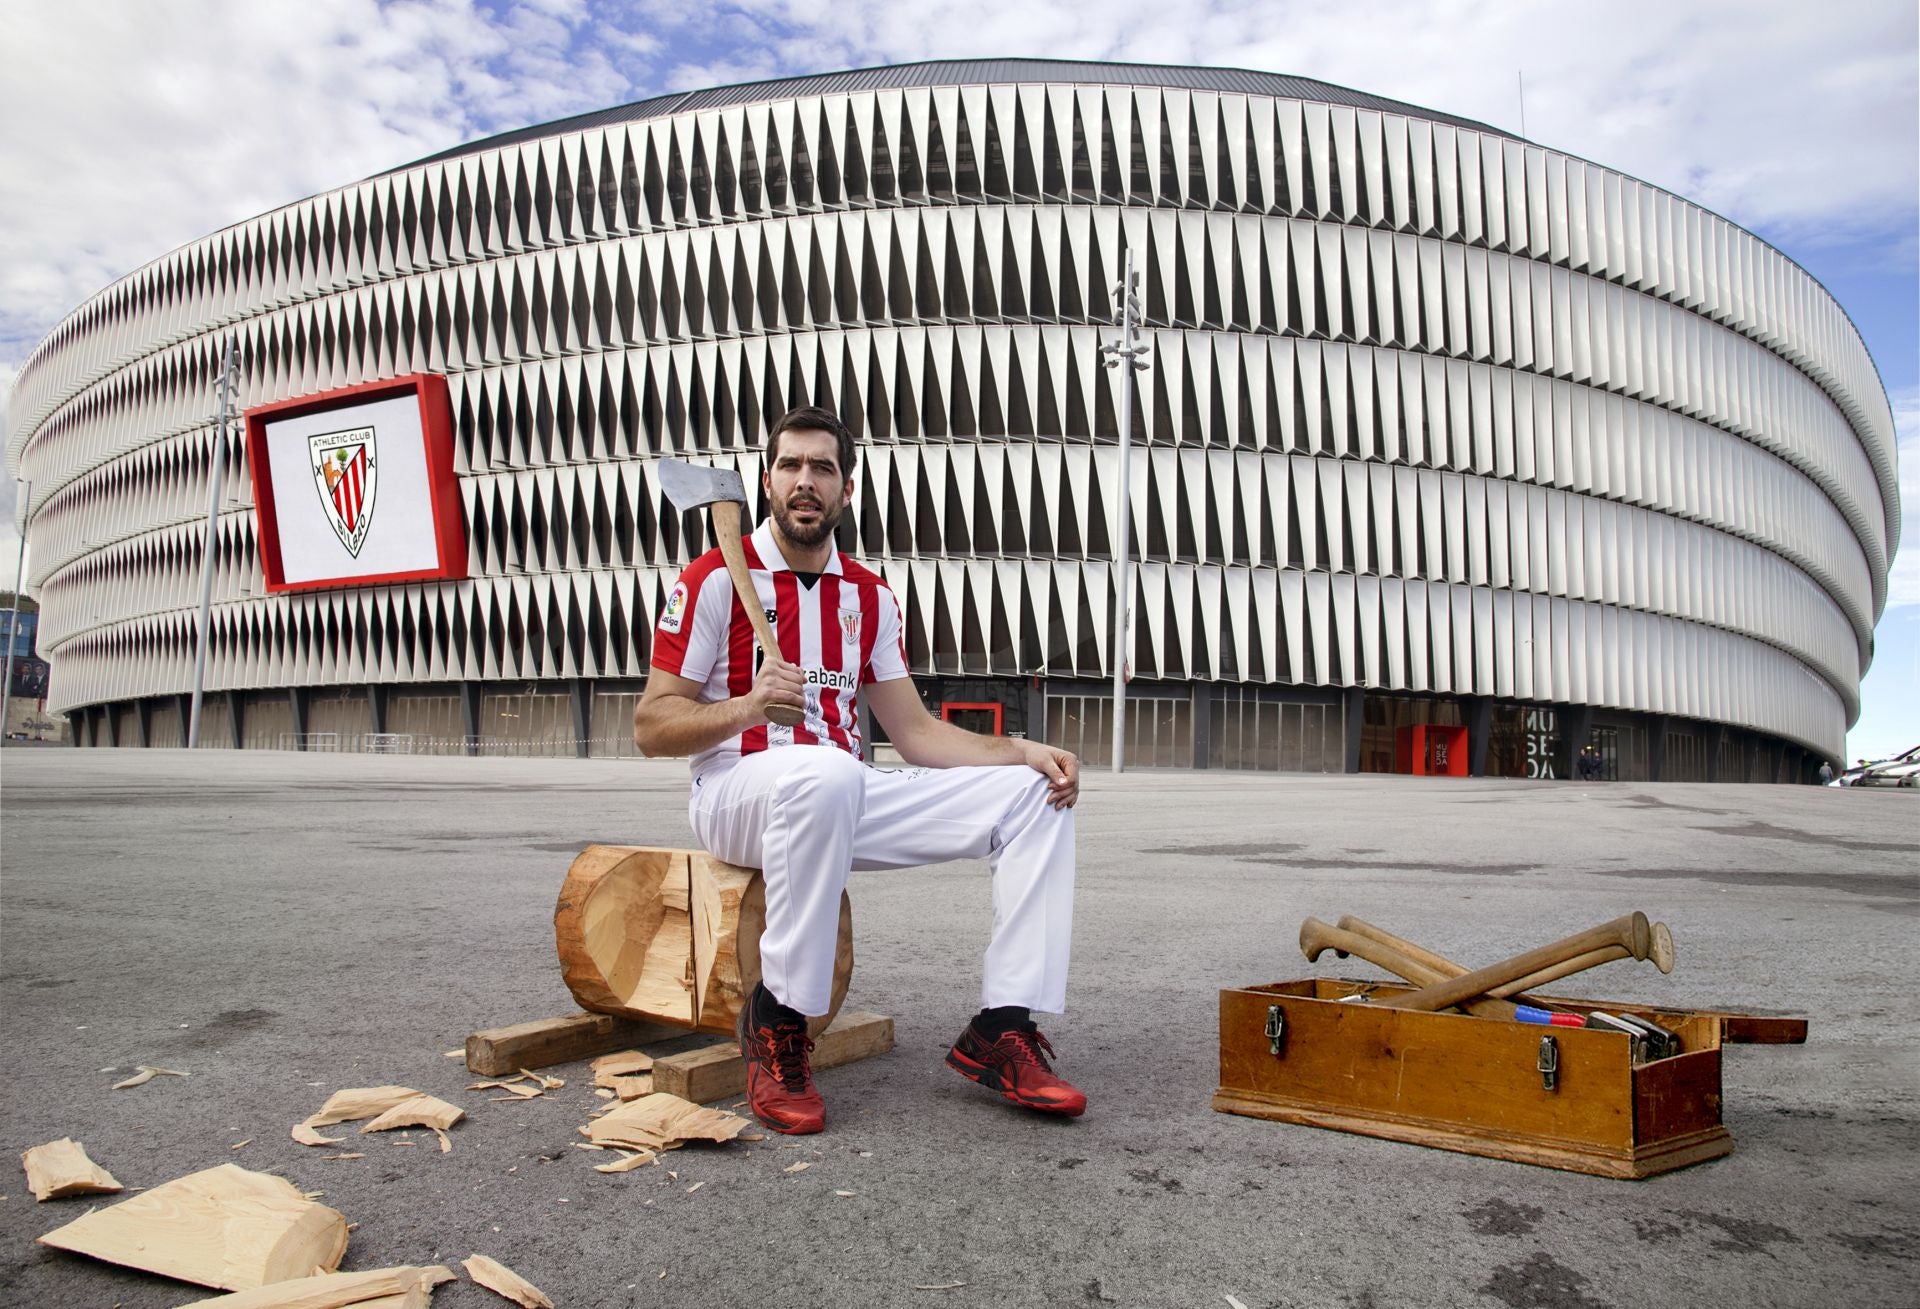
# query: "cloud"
133,129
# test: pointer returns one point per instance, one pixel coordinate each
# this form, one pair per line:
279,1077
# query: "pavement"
284,925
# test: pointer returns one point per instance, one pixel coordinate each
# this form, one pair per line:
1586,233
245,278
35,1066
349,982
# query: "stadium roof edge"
958,72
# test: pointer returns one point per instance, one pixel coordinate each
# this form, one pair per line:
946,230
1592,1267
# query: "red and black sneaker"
779,1079
1015,1064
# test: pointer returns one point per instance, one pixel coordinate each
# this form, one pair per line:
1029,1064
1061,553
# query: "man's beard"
808,536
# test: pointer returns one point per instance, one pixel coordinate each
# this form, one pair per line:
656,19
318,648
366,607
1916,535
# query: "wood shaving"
632,1088
420,1111
604,1094
546,1082
695,1187
627,1163
623,1064
61,1168
497,1277
446,1142
844,1195
797,1168
360,1102
944,1286
328,1158
660,1121
145,1075
307,1136
237,1144
454,1054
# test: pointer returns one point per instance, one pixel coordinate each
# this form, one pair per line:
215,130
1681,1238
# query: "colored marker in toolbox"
1526,1013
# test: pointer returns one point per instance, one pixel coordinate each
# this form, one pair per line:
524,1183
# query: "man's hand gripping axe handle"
691,486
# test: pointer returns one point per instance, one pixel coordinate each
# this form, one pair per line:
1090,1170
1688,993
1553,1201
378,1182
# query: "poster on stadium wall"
355,487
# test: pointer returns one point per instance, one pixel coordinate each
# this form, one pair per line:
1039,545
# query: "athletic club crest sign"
345,473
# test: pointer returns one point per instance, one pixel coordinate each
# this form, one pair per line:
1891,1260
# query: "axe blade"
690,486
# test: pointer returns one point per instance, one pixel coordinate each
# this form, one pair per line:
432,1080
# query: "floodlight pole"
13,623
1126,352
229,364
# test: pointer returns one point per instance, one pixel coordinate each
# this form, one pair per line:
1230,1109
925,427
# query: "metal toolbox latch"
1276,1027
1549,1064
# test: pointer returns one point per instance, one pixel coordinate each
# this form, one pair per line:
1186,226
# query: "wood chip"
237,1144
695,1187
496,1276
944,1286
797,1168
223,1227
604,1093
145,1075
632,1088
351,1154
461,1053
844,1195
420,1111
660,1121
61,1168
367,1289
546,1082
626,1163
360,1102
307,1136
623,1064
446,1142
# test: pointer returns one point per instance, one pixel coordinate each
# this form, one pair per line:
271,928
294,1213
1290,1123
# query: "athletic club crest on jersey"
344,472
850,625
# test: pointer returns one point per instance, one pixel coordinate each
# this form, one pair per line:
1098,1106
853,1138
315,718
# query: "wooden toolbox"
1564,1097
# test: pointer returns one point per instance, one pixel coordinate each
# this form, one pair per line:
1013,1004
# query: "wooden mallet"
1661,953
692,486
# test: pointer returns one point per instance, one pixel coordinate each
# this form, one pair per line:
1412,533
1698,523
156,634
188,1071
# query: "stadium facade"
1440,427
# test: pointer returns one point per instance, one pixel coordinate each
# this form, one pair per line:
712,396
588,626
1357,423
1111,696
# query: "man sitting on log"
800,804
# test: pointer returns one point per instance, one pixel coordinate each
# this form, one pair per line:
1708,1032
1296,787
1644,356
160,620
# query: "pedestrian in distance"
801,804
1826,773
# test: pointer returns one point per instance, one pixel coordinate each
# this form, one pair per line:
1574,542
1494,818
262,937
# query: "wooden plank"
717,1071
502,1050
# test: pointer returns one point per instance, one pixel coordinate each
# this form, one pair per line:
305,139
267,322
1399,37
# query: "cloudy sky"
133,128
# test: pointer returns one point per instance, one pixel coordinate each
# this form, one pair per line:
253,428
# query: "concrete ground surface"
282,925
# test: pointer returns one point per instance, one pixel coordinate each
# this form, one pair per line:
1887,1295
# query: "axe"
1631,933
1661,952
689,486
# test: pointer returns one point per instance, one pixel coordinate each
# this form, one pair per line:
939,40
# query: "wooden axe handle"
1632,932
726,525
1317,937
1661,953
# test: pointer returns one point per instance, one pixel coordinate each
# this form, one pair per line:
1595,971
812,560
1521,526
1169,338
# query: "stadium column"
298,697
143,719
1479,711
1579,721
580,692
470,715
1656,748
1716,746
1202,715
377,707
185,702
236,707
1356,716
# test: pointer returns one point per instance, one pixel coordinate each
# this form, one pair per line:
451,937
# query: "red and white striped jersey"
843,632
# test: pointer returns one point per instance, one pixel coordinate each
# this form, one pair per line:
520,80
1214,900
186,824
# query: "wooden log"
670,936
502,1050
716,1072
625,949
224,1227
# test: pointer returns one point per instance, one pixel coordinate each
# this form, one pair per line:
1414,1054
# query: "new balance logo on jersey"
834,678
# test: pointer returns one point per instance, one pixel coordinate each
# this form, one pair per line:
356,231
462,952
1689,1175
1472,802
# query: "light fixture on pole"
229,366
1126,297
13,623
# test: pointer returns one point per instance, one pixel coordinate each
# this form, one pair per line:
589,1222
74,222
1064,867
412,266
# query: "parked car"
1900,770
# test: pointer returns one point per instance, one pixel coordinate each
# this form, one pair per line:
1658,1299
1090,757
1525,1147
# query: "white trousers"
806,815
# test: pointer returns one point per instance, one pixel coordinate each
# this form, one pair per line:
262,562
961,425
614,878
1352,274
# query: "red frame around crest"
443,488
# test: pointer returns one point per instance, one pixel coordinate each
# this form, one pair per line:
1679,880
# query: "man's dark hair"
812,418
